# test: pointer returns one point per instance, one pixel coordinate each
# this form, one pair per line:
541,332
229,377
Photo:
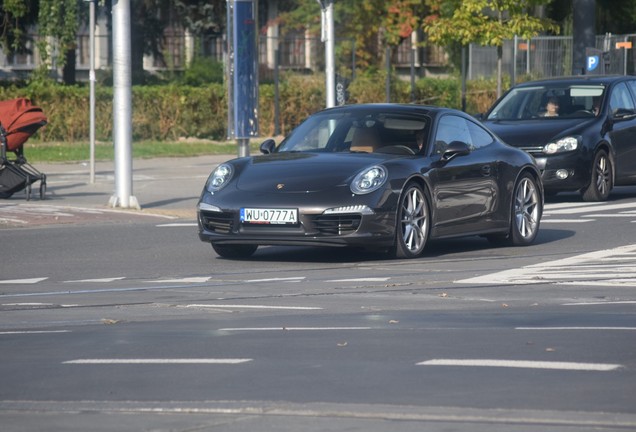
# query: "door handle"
485,170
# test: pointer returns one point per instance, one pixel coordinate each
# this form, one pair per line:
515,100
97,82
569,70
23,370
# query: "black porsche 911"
380,176
581,130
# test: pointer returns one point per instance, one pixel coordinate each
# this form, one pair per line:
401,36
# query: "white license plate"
269,216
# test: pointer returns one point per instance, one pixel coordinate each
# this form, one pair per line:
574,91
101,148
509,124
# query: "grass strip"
72,152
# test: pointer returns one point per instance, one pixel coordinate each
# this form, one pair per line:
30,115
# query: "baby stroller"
19,119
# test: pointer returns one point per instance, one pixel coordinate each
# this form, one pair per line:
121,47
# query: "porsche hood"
301,172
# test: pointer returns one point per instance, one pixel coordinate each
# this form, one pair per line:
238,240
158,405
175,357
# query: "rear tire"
601,181
525,216
235,251
412,224
527,210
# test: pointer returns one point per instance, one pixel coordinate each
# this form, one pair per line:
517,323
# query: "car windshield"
337,131
550,102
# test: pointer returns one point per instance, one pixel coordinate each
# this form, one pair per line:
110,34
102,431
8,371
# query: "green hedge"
170,112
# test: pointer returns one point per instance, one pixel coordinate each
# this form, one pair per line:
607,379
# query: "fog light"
562,174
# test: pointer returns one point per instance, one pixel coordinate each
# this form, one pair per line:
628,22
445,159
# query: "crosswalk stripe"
23,281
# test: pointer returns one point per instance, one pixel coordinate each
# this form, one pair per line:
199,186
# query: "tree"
368,23
58,21
485,22
15,17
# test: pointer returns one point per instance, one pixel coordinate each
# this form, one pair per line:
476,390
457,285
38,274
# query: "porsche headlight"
219,177
561,146
369,180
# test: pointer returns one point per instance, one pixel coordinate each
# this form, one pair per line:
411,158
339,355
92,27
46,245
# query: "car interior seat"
365,139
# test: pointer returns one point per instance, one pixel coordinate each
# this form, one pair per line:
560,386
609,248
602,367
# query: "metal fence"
548,56
540,57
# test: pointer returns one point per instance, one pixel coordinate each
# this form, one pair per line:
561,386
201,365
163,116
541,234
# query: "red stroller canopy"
20,119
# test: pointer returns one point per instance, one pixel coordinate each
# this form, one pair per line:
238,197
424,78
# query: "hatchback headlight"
219,177
369,180
561,146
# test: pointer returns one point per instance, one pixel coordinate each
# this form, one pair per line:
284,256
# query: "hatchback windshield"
357,132
549,102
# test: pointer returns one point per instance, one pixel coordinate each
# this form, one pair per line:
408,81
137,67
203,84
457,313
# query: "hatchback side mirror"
268,146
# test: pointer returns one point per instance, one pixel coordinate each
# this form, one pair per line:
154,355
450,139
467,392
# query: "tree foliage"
484,22
15,17
369,24
58,21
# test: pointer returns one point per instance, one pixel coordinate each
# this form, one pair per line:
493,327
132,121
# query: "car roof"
430,110
579,79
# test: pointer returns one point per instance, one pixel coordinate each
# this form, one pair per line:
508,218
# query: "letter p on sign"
592,63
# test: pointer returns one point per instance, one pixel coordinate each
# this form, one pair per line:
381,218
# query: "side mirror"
268,146
624,114
455,148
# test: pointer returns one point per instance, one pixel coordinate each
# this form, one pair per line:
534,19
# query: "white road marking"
12,220
370,279
568,221
22,281
551,206
158,361
238,329
575,328
235,306
619,215
572,270
201,279
524,364
289,279
588,208
600,303
102,280
34,332
177,224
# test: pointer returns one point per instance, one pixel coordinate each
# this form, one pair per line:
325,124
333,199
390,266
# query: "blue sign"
592,62
244,71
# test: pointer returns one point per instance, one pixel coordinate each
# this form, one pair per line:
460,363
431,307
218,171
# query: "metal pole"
328,37
412,74
122,106
91,78
387,81
463,78
276,92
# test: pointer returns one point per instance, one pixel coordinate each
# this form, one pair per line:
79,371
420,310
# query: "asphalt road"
115,321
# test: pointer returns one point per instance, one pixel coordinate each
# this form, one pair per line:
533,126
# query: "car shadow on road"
464,247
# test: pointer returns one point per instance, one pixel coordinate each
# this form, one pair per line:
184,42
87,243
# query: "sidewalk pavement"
169,186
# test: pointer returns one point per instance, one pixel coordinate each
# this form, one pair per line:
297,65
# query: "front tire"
601,182
413,223
234,251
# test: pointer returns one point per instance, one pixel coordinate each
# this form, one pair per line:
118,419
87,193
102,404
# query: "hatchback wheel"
601,181
413,223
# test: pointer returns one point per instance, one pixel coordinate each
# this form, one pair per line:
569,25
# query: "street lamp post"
328,37
91,79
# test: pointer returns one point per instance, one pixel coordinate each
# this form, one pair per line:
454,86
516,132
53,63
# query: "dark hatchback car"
581,130
387,177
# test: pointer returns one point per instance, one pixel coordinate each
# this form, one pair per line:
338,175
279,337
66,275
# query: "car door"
463,187
623,131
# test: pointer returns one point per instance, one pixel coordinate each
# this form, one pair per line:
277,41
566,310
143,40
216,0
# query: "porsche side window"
451,128
480,137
